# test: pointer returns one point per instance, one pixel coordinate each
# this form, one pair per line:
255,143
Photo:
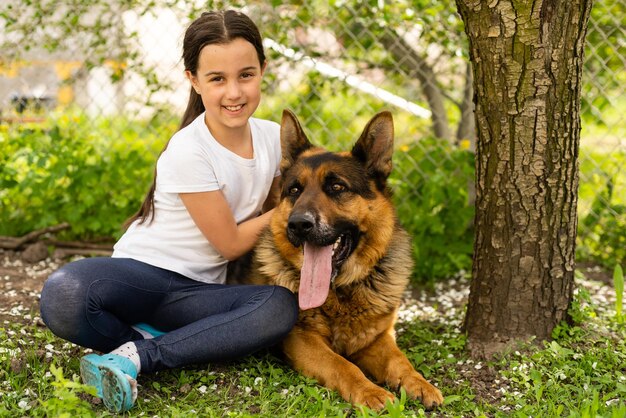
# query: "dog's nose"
300,224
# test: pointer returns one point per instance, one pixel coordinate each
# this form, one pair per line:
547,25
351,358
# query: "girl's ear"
192,79
264,67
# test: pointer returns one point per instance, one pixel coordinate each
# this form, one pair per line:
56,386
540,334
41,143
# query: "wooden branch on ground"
14,243
63,249
67,252
78,244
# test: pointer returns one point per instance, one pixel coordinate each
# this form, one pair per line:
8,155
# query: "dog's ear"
375,147
292,139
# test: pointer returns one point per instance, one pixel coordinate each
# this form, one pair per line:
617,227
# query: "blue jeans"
94,301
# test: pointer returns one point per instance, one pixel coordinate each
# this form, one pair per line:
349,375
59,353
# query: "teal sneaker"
114,378
148,329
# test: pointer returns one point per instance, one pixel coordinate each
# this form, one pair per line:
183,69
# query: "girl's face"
229,81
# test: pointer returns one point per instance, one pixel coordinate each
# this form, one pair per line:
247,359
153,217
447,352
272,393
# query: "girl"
213,180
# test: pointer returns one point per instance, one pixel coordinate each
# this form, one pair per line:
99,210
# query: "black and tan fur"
326,196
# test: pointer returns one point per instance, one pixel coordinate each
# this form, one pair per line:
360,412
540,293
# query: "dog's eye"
337,187
292,188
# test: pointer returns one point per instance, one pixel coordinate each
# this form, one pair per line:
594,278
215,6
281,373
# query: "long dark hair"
216,27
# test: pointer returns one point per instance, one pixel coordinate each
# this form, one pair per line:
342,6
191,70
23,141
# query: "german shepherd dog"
334,239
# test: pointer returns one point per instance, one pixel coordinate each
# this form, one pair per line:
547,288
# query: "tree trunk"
527,58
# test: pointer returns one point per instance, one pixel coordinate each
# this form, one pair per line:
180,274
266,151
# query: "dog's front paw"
418,387
374,397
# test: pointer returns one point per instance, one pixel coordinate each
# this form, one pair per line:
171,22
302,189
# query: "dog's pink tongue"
315,276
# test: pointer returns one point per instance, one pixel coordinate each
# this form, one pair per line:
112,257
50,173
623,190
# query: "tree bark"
527,59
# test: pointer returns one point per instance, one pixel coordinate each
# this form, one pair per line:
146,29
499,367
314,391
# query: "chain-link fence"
335,64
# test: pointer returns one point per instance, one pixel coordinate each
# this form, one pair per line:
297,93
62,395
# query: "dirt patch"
20,286
595,272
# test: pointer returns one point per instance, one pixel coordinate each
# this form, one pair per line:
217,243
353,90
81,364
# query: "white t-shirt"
195,162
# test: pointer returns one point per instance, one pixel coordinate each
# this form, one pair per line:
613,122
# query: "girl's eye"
216,79
247,75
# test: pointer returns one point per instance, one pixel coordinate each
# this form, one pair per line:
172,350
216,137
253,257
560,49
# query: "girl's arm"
212,215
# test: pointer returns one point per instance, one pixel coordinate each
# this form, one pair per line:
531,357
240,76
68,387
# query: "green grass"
618,284
581,373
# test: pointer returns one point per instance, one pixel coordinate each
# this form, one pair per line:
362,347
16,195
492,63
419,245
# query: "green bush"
92,174
602,208
602,232
431,183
